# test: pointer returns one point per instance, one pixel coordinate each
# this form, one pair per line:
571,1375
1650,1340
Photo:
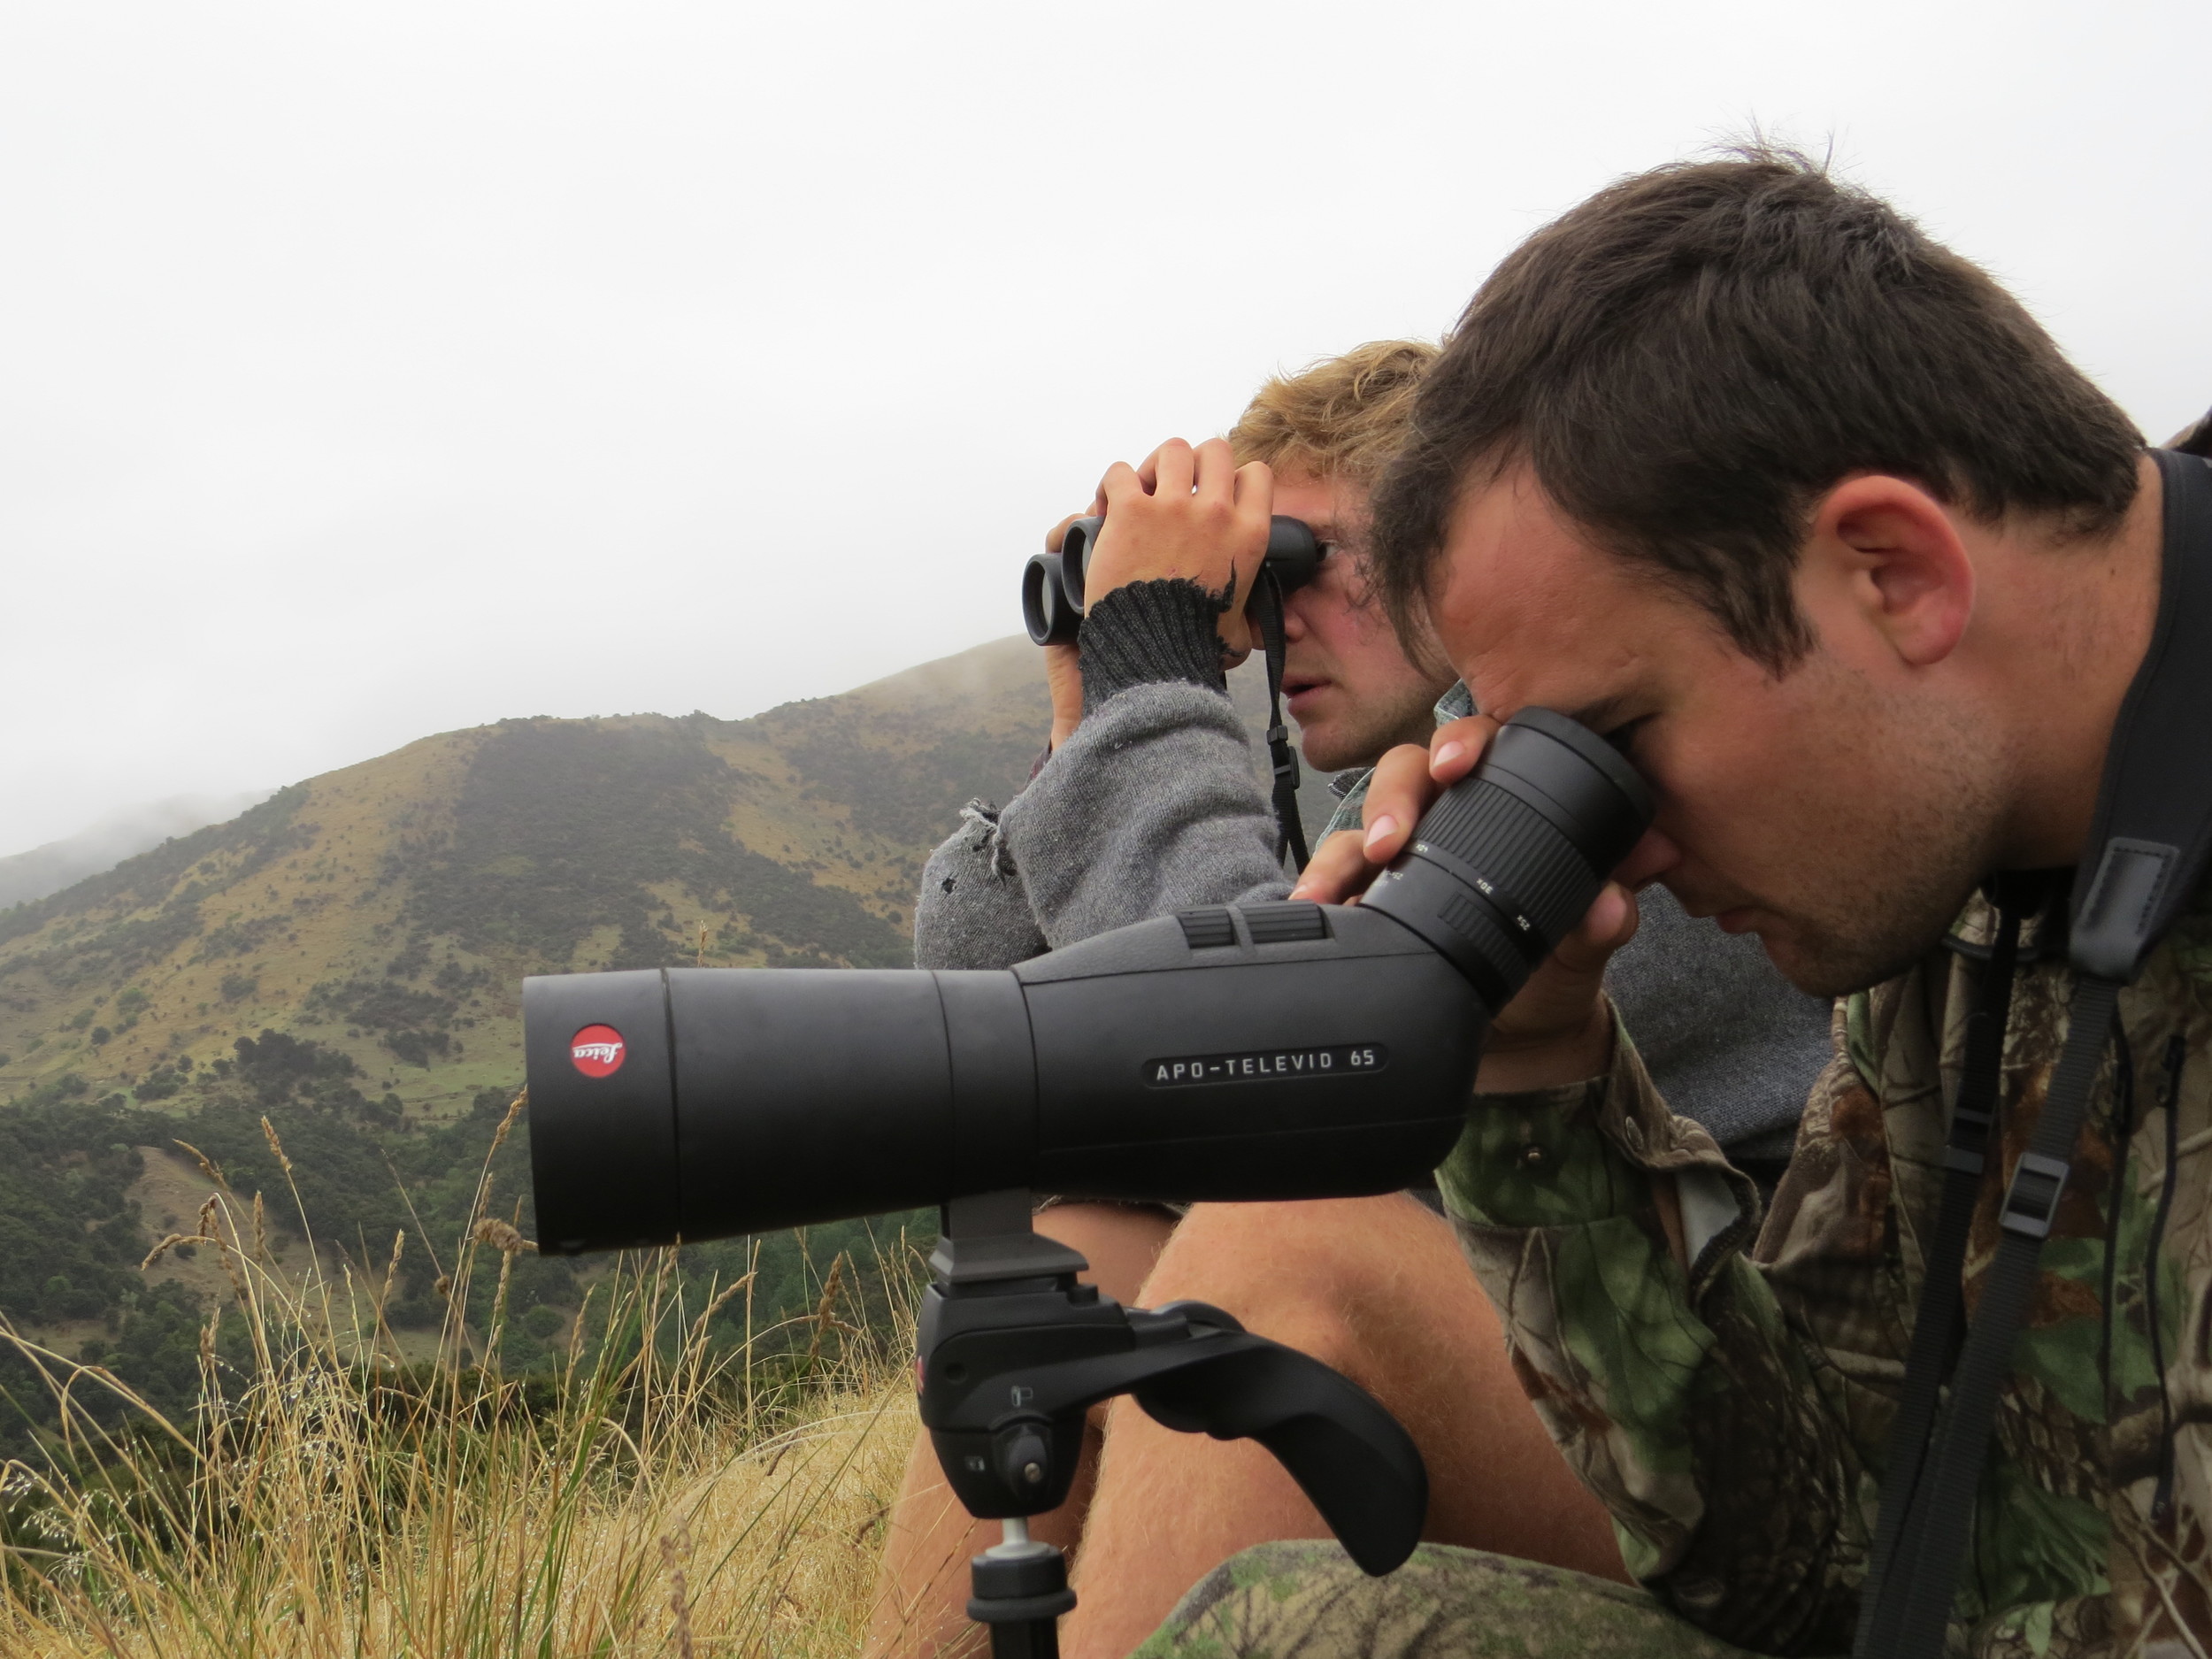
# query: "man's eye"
1622,737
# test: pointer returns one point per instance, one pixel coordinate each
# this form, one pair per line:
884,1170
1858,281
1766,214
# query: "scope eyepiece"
1505,864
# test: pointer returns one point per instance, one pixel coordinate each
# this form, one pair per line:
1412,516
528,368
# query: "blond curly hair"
1341,417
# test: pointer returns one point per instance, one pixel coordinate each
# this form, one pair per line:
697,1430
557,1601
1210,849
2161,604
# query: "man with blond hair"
1148,804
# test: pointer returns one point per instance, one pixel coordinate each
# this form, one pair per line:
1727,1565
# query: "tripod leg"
1021,1589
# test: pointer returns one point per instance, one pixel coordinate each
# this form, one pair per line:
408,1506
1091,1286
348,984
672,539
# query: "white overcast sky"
372,369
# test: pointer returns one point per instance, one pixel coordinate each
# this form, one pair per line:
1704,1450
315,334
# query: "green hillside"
389,911
345,960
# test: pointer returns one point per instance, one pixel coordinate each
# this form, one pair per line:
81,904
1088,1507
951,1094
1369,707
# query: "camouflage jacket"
1735,1418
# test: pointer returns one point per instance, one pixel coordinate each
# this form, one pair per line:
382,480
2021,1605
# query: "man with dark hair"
1148,804
1737,466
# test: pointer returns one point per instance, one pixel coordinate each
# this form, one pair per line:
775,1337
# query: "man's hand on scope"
1187,513
1556,1030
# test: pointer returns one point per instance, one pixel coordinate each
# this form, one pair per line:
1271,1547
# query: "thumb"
1608,924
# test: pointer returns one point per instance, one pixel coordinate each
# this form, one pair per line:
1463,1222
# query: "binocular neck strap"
1290,833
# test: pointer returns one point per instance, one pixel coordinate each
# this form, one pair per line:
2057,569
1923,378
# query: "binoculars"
1053,583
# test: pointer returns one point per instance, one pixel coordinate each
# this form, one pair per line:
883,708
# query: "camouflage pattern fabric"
1734,1416
1307,1600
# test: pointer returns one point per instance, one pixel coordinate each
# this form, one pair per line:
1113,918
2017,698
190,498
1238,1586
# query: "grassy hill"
317,1004
344,962
389,911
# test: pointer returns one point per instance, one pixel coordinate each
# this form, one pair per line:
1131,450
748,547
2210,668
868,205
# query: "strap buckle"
1970,1135
2031,1200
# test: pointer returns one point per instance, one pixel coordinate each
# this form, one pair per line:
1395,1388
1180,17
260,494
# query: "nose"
1651,857
1295,614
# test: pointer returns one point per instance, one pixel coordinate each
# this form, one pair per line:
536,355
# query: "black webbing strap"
1919,1600
1935,1332
2149,845
1267,607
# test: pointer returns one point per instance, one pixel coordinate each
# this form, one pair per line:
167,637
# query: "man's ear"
1887,550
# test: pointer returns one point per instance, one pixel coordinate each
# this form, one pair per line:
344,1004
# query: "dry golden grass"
668,1497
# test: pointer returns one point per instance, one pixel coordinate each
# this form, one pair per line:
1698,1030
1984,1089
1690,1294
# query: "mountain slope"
322,997
57,864
388,911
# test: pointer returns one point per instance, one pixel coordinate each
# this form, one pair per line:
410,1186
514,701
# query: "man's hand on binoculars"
1185,512
1557,1029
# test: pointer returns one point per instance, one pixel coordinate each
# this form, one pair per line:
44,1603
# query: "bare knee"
1318,1274
1122,1242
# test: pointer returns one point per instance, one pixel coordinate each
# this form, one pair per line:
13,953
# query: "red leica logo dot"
597,1050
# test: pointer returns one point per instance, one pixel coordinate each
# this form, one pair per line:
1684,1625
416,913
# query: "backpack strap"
2150,844
1942,1316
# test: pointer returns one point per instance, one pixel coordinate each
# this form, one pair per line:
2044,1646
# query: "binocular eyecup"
1053,583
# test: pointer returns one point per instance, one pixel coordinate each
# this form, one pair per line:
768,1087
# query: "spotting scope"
1276,1050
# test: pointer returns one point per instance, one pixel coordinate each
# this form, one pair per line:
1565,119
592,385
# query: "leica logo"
597,1050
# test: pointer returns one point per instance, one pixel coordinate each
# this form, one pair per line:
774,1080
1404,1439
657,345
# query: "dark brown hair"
1690,357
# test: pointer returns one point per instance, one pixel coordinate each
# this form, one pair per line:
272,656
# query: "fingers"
1252,486
1338,872
1610,924
1554,1029
1185,513
1120,484
1398,793
1249,492
1170,470
1214,471
1057,537
1457,745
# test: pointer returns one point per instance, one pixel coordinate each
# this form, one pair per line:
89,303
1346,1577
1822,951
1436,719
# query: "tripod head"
1014,1351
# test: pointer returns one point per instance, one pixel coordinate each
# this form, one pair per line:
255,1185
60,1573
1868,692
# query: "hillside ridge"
388,911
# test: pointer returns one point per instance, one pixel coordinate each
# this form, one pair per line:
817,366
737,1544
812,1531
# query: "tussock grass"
662,1494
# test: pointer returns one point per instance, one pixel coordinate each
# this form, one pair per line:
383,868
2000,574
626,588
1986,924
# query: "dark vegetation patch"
911,790
414,1025
561,827
238,939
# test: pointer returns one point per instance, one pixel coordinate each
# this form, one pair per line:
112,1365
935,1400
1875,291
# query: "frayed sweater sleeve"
1150,807
973,911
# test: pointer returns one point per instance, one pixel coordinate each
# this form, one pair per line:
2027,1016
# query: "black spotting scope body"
1263,1051
1053,583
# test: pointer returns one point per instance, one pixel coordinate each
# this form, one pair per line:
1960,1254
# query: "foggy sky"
368,371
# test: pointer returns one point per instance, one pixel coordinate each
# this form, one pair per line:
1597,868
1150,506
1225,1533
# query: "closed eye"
1622,737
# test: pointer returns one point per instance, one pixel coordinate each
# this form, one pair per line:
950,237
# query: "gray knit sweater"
1151,807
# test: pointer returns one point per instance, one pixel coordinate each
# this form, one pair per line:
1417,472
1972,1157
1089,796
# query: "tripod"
1013,1352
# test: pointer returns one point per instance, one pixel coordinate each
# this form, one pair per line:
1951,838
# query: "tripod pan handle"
1346,1452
